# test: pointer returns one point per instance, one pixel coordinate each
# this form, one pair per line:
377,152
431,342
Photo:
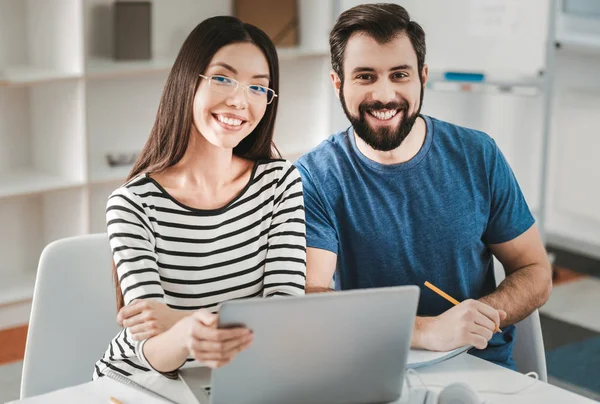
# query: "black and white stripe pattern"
191,259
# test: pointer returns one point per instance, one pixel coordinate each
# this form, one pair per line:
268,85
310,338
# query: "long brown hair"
172,128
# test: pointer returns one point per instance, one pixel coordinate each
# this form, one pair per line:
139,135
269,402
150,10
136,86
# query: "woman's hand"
211,346
147,318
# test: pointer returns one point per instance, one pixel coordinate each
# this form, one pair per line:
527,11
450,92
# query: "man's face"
381,91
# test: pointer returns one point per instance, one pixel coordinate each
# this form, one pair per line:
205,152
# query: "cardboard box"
132,30
278,18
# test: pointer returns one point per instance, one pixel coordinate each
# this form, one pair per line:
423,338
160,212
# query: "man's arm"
526,287
528,280
320,267
470,323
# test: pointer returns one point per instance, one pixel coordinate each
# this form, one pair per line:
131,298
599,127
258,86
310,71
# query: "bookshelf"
65,103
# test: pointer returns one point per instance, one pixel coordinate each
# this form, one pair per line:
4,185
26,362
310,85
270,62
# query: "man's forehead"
364,50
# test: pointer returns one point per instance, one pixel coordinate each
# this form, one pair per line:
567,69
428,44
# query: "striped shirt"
191,259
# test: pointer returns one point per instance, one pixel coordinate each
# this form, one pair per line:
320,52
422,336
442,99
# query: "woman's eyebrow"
226,66
234,71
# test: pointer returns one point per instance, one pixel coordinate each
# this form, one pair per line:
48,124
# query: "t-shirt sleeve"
320,231
285,265
132,242
509,214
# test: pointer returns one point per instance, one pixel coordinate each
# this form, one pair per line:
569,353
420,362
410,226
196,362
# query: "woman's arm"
132,242
186,333
195,335
147,318
285,267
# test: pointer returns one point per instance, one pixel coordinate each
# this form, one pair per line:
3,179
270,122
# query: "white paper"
175,390
494,18
97,392
418,357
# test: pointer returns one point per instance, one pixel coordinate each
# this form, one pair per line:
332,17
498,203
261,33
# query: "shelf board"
580,42
16,287
293,154
109,174
24,182
28,75
102,68
293,53
491,84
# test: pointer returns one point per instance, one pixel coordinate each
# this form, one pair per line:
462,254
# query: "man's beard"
385,138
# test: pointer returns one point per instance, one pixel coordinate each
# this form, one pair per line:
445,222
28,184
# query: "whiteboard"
502,38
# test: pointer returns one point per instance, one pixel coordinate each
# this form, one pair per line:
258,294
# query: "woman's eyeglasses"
226,85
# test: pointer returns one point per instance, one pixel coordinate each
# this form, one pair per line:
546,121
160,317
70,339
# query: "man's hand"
147,318
469,323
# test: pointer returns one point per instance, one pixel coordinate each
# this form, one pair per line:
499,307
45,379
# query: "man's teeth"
229,121
384,116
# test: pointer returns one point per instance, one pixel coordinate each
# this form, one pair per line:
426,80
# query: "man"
401,198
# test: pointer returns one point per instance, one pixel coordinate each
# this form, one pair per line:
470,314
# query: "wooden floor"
12,344
564,275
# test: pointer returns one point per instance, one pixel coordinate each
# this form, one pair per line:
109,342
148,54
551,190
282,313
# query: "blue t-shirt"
428,219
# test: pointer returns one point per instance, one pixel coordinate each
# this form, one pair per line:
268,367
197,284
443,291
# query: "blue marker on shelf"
463,76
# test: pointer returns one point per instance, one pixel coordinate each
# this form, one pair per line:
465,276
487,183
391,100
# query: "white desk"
482,375
477,373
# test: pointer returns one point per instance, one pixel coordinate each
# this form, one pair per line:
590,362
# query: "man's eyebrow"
402,67
362,69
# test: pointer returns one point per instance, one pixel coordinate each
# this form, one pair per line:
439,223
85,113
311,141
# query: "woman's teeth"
229,121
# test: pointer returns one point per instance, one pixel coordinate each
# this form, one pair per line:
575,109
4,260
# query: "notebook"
418,357
99,392
128,382
151,383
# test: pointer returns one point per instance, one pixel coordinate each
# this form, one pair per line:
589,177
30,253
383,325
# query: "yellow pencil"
450,298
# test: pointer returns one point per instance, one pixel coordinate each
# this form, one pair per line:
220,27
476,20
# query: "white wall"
574,164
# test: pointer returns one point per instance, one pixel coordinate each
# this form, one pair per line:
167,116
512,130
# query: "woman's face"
225,117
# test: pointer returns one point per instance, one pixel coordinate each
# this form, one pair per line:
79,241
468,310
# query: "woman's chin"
225,142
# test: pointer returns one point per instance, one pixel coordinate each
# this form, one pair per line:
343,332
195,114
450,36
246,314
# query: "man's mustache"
378,105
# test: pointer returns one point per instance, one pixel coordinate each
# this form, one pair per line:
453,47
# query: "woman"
207,214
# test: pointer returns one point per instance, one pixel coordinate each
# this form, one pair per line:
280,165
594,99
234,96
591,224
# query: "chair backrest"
73,316
528,352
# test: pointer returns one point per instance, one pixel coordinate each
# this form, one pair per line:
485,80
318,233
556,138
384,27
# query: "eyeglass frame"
238,84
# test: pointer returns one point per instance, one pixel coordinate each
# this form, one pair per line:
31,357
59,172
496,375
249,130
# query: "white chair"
528,352
73,316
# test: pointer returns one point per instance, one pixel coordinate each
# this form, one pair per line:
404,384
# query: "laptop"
343,347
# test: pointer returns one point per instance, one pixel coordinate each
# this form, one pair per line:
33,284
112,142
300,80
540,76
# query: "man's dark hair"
383,22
